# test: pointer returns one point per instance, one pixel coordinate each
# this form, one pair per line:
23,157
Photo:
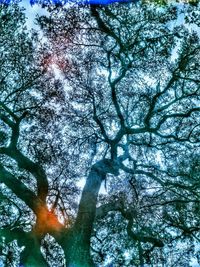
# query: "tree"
22,93
116,104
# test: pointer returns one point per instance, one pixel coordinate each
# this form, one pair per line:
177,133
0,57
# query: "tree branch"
19,189
34,168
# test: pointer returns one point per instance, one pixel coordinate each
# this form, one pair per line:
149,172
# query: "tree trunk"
81,232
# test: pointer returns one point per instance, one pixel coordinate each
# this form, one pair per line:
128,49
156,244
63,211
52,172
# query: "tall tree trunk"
81,232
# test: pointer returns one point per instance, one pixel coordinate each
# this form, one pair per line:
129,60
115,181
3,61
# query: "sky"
79,1
31,12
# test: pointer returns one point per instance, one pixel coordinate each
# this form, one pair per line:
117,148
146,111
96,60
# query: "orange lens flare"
46,221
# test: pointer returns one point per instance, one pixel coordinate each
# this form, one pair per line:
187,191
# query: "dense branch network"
121,112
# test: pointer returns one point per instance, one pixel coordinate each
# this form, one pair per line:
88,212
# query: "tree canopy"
99,138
